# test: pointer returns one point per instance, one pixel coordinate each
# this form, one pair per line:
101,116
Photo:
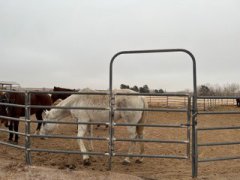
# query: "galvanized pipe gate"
194,96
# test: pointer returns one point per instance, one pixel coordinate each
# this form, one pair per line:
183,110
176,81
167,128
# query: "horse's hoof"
71,166
86,162
125,162
138,161
10,141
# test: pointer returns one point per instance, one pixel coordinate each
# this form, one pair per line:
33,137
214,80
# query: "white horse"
134,117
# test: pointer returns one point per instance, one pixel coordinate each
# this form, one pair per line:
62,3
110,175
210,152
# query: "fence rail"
203,103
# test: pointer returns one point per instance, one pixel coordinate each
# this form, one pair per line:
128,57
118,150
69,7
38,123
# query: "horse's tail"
143,119
140,129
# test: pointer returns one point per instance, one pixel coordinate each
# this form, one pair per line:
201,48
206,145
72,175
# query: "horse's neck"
60,113
64,112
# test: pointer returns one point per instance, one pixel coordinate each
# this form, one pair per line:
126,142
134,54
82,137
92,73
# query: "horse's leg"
10,128
39,119
98,126
132,132
16,124
90,133
139,131
81,132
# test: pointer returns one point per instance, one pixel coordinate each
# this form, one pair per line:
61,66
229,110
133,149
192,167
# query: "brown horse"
16,112
3,111
57,96
238,102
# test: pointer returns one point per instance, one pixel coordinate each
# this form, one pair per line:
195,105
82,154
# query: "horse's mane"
87,90
55,88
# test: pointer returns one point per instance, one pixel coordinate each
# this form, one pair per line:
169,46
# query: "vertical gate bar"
27,128
194,120
188,127
111,114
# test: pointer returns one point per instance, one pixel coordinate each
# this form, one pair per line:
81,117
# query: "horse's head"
47,127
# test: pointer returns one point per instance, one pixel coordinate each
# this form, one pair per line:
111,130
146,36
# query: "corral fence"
189,107
29,135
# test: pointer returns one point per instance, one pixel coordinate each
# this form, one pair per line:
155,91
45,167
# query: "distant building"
9,85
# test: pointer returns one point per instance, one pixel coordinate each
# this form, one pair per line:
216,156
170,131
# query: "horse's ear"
44,114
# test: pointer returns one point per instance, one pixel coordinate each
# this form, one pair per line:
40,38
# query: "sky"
69,43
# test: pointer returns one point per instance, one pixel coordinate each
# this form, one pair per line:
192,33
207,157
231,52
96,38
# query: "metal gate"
194,102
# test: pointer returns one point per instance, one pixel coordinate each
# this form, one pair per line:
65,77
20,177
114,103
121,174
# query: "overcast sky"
69,43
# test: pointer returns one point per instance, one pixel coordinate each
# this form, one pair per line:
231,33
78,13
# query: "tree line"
217,90
143,89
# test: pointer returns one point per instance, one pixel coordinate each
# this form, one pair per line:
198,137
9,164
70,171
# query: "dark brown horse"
16,112
238,102
55,97
3,111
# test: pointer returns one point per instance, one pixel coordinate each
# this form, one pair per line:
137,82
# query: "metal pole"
27,128
188,128
111,130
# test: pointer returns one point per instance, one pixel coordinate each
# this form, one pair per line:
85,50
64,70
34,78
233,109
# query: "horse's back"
41,99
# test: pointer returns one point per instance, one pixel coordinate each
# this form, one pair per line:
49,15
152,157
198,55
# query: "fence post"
27,128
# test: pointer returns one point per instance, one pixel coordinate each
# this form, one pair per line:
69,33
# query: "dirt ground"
61,166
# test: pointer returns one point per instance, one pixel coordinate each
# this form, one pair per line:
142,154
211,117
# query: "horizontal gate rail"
154,125
219,144
13,105
74,123
152,140
12,145
218,128
12,118
80,107
219,159
68,92
151,156
152,94
218,97
68,152
151,109
19,133
69,137
219,112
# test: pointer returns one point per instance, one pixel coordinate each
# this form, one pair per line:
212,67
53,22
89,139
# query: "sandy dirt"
61,166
